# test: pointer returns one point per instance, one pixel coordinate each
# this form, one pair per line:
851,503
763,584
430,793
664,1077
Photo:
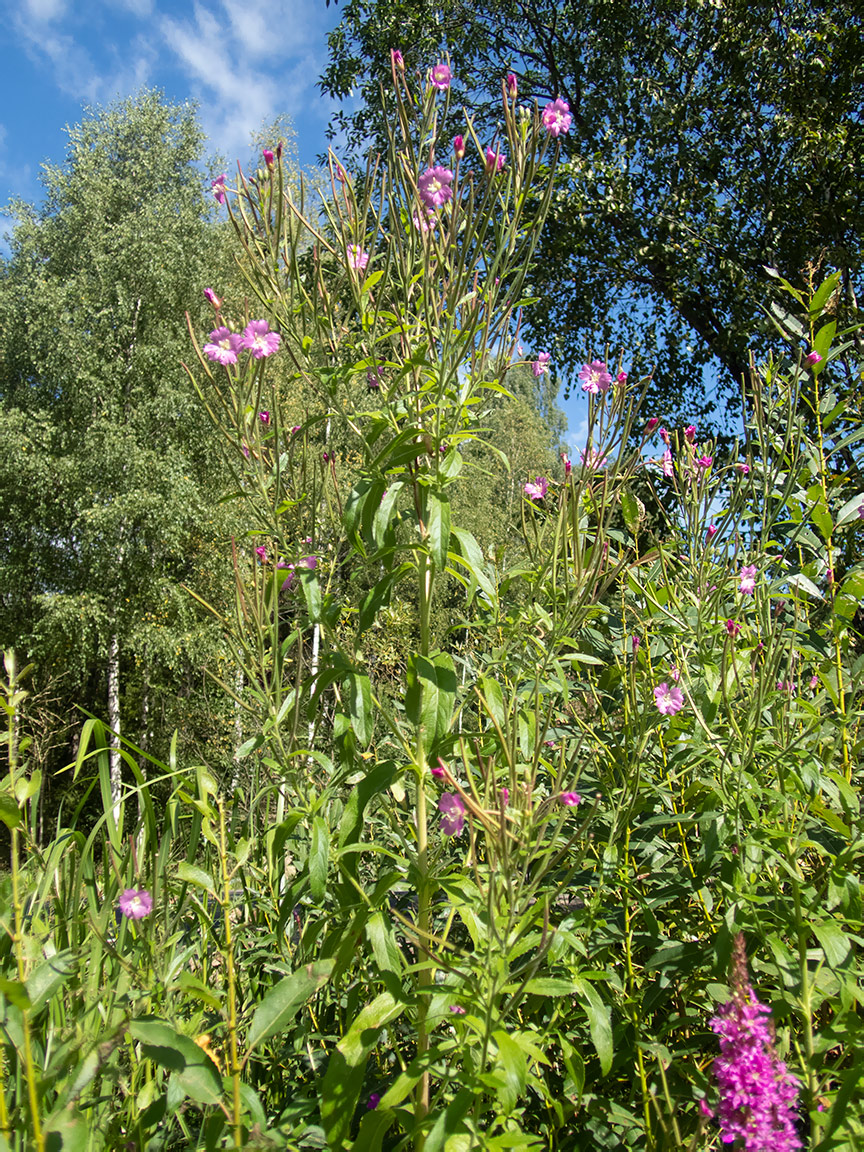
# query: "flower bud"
459,147
512,86
268,159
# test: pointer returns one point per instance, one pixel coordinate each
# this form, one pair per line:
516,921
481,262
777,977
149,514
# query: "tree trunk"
114,724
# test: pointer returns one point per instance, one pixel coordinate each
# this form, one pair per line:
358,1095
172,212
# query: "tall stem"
424,895
234,1070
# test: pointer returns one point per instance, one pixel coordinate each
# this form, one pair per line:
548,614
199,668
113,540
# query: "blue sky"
244,61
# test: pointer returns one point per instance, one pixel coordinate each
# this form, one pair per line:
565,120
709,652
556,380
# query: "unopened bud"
459,147
512,86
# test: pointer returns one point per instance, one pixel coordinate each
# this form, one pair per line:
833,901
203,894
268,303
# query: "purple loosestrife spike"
135,904
557,118
595,377
669,701
756,1092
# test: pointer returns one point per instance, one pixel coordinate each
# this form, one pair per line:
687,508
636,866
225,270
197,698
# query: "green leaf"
346,1068
319,852
599,1023
438,527
850,510
358,689
430,694
384,513
378,597
835,943
825,289
15,992
285,999
10,813
471,557
804,584
630,510
514,1064
822,342
194,1070
49,977
192,874
550,986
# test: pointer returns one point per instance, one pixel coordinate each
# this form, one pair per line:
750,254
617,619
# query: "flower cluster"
256,339
756,1092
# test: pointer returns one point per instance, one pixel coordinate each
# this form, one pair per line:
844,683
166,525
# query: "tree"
106,477
709,140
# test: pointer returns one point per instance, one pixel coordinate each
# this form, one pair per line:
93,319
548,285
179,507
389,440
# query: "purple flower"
440,77
568,467
538,489
424,220
621,379
570,799
494,160
757,1094
218,186
744,469
459,146
453,814
373,1101
223,346
705,462
434,186
668,700
593,459
813,358
261,553
356,257
396,59
512,86
264,417
259,340
557,118
675,672
595,377
861,510
666,464
541,364
135,904
650,425
747,583
269,158
814,681
310,562
665,437
505,797
374,376
457,1009
213,298
636,644
690,433
711,533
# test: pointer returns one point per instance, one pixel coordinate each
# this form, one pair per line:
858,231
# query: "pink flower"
636,643
223,346
310,562
595,378
295,429
512,86
668,700
396,59
135,904
785,685
711,532
457,1009
557,118
505,797
258,340
537,490
665,437
675,673
424,220
373,1101
374,376
705,462
264,417
814,681
621,379
650,426
494,160
261,553
453,814
439,771
269,158
568,467
541,364
459,146
244,448
666,464
744,469
690,433
747,583
570,799
813,358
440,77
593,459
213,298
218,186
356,257
434,186
861,510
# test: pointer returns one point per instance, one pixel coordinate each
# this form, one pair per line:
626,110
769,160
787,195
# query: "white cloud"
43,11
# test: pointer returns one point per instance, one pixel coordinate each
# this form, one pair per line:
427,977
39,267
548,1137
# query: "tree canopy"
709,140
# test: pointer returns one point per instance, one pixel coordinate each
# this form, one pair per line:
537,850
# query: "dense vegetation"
521,808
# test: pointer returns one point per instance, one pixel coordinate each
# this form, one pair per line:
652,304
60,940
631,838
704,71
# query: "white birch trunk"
114,724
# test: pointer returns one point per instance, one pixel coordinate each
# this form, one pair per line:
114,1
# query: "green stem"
424,895
232,986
